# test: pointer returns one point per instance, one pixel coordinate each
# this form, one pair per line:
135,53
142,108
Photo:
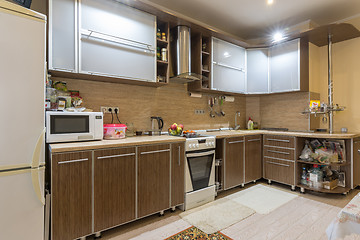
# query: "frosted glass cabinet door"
117,40
285,66
62,30
257,70
228,79
228,54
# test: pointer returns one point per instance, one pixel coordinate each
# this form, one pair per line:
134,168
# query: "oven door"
200,170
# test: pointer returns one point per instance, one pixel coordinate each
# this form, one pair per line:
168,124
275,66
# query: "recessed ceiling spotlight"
278,36
269,2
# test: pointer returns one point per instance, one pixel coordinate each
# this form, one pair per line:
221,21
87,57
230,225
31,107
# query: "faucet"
237,126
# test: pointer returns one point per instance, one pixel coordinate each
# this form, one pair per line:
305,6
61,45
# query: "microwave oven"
73,126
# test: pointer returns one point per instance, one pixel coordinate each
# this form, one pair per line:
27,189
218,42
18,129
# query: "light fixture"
278,36
269,2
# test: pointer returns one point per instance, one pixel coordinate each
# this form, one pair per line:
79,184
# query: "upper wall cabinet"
62,35
285,67
228,67
116,40
257,70
103,38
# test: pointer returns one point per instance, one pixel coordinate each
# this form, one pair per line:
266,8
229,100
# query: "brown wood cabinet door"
234,162
153,179
253,163
356,173
279,170
177,174
114,187
71,195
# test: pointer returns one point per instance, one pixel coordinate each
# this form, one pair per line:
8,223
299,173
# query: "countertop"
142,140
239,133
129,141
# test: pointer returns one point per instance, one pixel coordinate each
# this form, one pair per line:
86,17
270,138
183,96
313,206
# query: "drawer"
283,153
279,141
279,171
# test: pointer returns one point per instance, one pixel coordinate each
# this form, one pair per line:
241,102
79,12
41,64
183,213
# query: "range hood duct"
182,56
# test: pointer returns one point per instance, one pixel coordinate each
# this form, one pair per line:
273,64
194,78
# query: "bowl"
114,131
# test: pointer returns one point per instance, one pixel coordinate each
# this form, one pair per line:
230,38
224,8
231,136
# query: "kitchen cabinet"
253,156
279,159
177,174
71,193
257,70
228,67
234,162
153,186
114,187
62,35
285,66
117,40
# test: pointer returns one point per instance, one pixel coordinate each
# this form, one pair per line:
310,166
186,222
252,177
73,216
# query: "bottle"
163,36
158,33
250,124
163,55
304,177
158,54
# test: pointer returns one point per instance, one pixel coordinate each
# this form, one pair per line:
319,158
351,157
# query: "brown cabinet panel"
279,171
253,163
279,141
153,179
356,167
71,195
234,162
114,187
177,174
282,153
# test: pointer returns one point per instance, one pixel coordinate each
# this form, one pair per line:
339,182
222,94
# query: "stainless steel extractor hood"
182,57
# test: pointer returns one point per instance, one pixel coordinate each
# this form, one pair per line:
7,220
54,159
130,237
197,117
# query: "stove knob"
190,146
207,144
197,145
193,145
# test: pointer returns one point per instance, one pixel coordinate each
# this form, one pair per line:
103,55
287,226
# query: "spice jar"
163,55
163,36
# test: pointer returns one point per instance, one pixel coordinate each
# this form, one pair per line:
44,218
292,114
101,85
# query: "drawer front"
279,141
282,153
279,171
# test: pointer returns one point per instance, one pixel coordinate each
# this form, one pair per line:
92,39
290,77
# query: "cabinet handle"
116,39
278,140
72,161
230,67
63,69
159,151
240,141
358,150
253,140
179,156
114,156
280,164
273,151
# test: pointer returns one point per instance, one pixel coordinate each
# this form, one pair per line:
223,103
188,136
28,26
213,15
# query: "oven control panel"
195,144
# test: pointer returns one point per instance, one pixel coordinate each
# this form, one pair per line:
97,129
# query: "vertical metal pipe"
330,84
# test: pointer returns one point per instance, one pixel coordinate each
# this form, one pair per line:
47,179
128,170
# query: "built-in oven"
199,171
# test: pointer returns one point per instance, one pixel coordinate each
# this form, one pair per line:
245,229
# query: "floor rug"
261,198
195,233
212,217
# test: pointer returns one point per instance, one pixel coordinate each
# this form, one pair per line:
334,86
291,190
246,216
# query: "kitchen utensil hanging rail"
107,37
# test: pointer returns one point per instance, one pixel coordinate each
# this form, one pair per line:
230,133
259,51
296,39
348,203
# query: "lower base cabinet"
234,162
114,187
95,190
253,158
280,171
153,179
71,195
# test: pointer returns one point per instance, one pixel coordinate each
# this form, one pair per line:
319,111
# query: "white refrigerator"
22,128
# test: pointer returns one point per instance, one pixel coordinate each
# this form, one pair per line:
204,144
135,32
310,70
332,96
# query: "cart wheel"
173,209
302,190
254,181
242,185
161,213
97,235
269,182
293,188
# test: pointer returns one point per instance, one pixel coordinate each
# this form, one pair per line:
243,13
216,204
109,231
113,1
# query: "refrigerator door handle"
35,177
36,154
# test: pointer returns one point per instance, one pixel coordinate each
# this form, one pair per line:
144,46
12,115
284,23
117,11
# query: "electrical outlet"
116,109
104,109
199,111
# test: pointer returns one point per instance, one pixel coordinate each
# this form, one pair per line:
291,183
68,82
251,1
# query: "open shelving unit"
162,67
341,166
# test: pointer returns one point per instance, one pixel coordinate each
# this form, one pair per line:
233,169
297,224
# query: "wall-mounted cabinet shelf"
162,51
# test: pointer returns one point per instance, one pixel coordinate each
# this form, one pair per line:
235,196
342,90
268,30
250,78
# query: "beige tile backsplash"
173,103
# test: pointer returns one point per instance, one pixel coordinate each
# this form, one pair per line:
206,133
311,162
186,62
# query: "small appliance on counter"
157,124
73,126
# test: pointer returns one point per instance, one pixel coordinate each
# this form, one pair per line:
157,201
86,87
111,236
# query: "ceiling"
251,19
